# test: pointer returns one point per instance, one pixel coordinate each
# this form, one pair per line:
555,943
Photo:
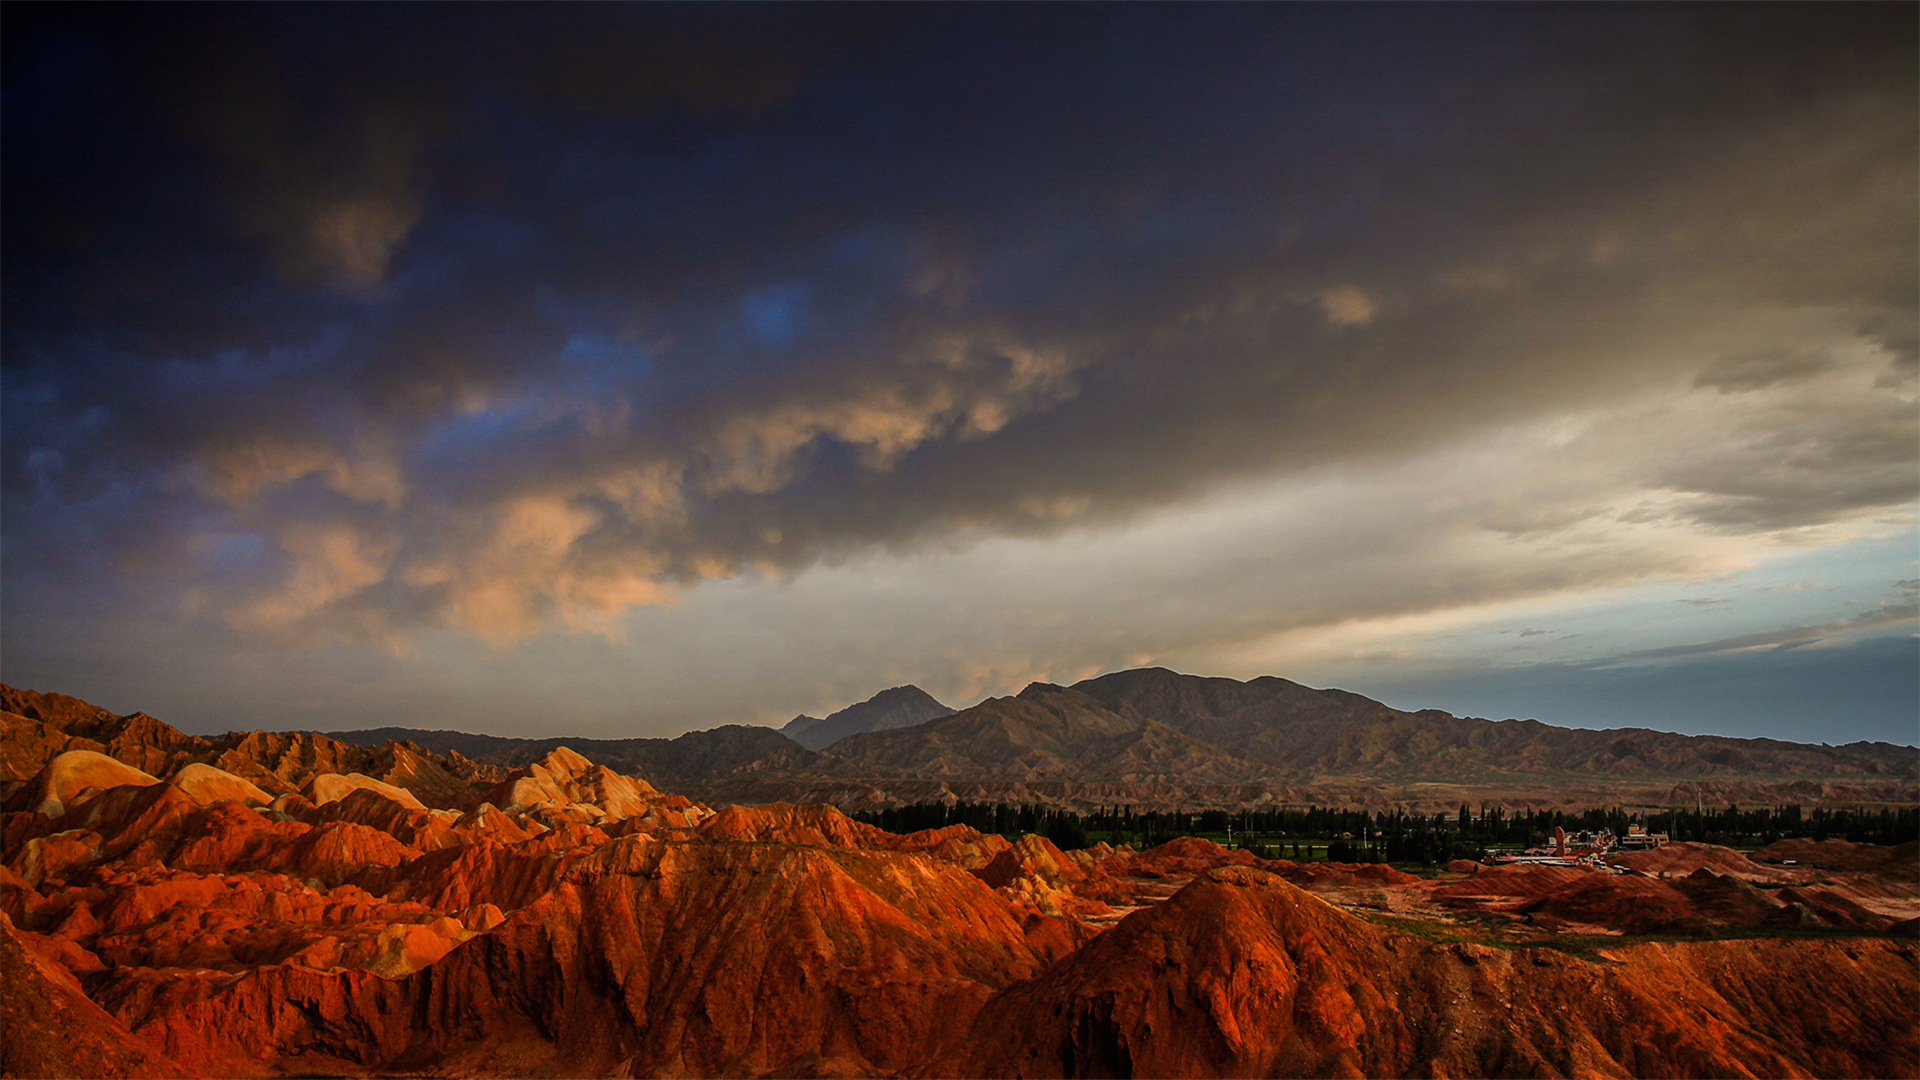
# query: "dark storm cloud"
351,319
1803,469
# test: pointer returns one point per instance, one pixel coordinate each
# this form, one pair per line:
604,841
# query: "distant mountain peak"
1036,689
894,707
906,692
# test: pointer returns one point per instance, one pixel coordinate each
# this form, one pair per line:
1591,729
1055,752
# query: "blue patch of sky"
240,368
591,367
865,247
777,315
44,467
591,358
237,556
457,436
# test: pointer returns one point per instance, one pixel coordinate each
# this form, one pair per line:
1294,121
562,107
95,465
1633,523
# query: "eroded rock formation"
284,905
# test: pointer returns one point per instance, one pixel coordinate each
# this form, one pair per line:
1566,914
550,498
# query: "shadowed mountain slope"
1046,732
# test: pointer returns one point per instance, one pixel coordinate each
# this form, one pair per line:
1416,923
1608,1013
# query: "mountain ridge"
1144,736
1277,730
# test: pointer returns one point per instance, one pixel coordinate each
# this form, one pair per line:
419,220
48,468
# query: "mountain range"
1148,737
1198,739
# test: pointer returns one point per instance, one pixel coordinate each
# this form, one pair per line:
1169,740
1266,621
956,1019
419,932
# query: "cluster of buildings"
1584,848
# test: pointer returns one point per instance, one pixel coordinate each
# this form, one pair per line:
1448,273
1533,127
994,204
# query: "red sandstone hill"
1242,974
264,905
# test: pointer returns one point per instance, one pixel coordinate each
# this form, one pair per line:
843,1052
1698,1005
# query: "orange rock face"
255,908
1242,974
51,1027
75,775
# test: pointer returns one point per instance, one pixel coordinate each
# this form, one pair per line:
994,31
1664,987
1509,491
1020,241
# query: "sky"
621,370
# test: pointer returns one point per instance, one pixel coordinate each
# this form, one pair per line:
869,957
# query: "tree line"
1398,835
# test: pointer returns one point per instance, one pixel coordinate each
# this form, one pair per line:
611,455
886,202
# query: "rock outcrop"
76,774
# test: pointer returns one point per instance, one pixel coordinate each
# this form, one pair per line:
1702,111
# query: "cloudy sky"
623,370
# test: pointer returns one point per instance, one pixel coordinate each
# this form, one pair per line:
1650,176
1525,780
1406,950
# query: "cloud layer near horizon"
334,327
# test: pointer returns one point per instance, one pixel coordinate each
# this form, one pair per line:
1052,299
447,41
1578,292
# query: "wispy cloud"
1893,613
